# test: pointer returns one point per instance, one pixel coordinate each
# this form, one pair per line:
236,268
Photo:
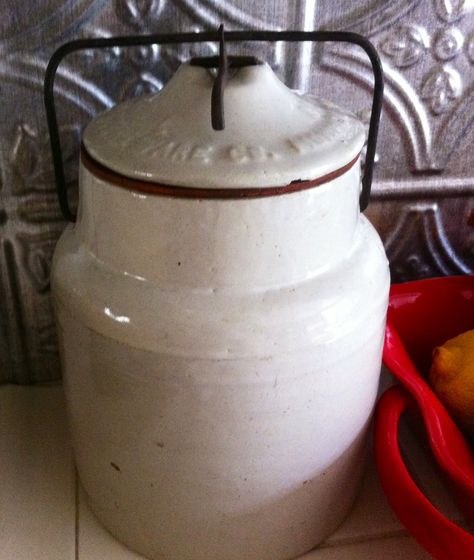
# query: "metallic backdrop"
423,194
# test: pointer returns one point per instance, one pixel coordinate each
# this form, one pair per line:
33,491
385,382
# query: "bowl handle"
442,538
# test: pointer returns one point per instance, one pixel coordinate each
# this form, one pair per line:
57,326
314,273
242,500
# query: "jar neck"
203,243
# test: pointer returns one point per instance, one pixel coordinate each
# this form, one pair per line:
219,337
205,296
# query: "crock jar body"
221,361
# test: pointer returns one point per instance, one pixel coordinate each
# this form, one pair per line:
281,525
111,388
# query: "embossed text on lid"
273,135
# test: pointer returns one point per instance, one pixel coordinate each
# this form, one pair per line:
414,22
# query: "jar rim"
114,178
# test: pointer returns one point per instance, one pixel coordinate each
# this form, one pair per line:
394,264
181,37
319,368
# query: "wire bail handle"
223,62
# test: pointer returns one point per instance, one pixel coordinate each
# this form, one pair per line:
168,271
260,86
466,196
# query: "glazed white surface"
45,515
225,356
235,263
272,135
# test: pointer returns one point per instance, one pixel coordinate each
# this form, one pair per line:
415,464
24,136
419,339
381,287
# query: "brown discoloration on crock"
470,220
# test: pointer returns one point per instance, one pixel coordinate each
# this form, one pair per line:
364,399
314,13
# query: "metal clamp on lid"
222,63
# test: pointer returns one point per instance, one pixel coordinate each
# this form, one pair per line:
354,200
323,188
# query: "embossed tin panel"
424,182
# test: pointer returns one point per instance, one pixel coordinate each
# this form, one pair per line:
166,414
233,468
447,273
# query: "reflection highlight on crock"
118,318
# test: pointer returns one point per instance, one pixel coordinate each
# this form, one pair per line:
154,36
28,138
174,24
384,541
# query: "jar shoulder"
330,305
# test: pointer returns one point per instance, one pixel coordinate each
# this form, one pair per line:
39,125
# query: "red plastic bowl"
421,316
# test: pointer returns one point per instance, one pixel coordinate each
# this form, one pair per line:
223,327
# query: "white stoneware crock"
221,325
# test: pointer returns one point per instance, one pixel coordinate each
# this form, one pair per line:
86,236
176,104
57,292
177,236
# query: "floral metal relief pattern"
424,184
407,45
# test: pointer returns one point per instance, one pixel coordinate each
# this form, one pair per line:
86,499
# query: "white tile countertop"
43,514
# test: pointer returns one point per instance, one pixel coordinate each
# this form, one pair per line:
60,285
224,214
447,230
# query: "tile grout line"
402,532
76,513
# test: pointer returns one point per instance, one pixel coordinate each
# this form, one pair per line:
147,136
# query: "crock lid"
273,135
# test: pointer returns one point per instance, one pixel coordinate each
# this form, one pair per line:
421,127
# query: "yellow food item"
452,379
